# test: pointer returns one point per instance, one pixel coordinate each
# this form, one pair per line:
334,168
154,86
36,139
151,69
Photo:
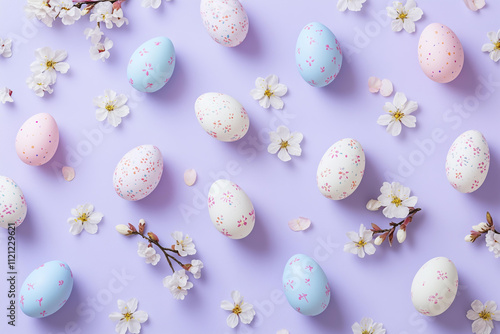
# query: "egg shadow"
258,240
251,47
54,166
488,192
175,88
27,231
464,82
344,85
331,318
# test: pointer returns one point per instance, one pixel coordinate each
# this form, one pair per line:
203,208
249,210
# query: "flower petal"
257,94
132,305
115,316
283,132
299,224
232,320
68,173
190,177
226,305
141,316
384,119
283,155
280,90
386,88
409,121
276,102
374,84
272,80
236,296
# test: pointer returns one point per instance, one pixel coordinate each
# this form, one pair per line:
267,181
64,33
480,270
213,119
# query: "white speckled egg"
230,209
318,55
306,285
225,20
46,289
138,172
151,65
434,286
37,140
341,169
440,53
13,206
221,116
468,161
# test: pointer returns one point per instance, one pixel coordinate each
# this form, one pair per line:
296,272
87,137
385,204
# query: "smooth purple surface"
377,286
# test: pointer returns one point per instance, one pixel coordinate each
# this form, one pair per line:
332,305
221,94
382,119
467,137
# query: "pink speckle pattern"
225,20
13,206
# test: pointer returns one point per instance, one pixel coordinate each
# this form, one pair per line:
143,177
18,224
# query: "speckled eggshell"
13,206
46,289
138,172
225,20
151,65
230,209
440,53
221,116
318,55
468,161
306,285
37,140
341,169
434,286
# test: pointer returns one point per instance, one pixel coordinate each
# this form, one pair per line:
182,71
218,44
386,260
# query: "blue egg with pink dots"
46,289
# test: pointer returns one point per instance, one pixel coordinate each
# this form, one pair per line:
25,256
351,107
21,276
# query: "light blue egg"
151,65
46,289
306,286
318,55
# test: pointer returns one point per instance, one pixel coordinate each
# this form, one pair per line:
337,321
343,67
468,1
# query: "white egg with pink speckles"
13,206
341,169
225,20
222,116
138,172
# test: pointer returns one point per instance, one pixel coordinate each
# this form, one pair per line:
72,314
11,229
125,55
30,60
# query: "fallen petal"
283,331
374,84
190,177
386,89
475,4
68,173
299,224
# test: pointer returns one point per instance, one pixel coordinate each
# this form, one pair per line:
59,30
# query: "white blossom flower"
404,16
5,95
103,12
367,326
396,200
284,143
5,47
269,92
118,18
483,316
493,243
94,34
68,13
111,106
40,84
148,253
183,245
49,62
360,243
101,50
178,284
353,5
240,310
42,11
195,269
151,3
128,318
84,217
494,47
397,113
475,5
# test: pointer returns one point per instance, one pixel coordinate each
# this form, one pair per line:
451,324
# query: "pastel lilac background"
377,286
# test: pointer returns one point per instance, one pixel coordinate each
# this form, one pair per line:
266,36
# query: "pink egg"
37,140
440,53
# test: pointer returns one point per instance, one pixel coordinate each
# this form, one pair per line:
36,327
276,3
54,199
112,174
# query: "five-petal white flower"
183,245
94,34
128,318
285,143
68,13
397,113
49,62
494,47
111,106
483,316
367,326
352,5
269,92
240,310
178,284
42,11
84,217
396,200
101,50
493,243
5,95
40,84
404,16
360,243
103,12
5,47
149,253
195,269
151,3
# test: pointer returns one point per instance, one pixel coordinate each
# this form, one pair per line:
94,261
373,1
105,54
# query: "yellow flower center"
237,309
179,288
361,243
396,200
497,45
50,64
284,144
485,315
398,115
128,316
110,107
268,93
83,218
402,16
365,331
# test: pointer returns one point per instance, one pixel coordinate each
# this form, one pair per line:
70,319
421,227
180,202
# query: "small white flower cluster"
48,10
352,5
494,46
492,235
48,62
5,47
151,3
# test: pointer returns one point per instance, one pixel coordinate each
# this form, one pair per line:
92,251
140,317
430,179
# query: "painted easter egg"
221,116
225,20
434,286
468,161
13,206
306,286
230,209
440,53
46,289
37,140
341,169
318,55
138,172
151,65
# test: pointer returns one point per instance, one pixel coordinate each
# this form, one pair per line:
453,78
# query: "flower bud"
401,235
153,236
123,229
142,224
131,227
481,227
378,240
187,266
373,205
469,238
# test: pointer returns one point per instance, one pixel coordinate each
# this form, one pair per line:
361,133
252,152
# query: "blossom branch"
389,232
